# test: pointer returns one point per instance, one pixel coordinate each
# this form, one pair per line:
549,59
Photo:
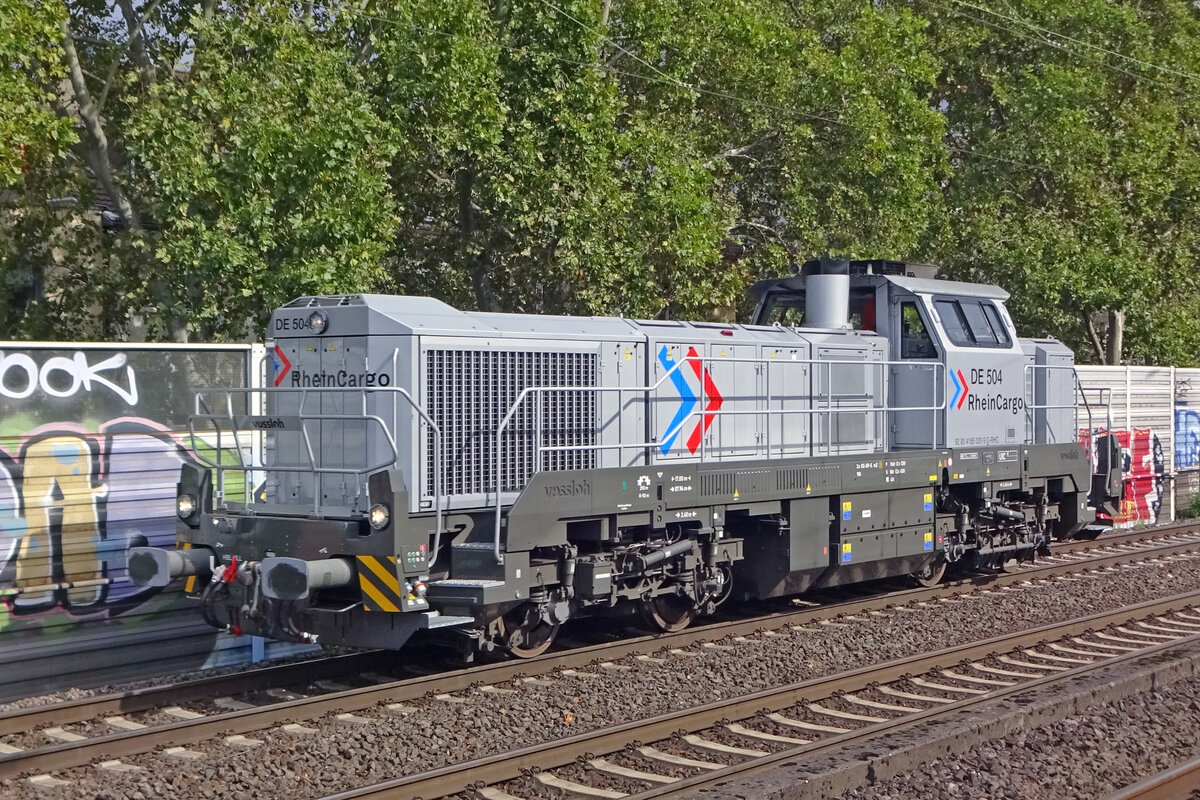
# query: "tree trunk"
478,265
1116,336
97,152
1094,337
96,147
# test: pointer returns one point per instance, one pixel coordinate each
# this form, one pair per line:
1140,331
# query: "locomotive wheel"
668,613
525,634
1010,565
931,574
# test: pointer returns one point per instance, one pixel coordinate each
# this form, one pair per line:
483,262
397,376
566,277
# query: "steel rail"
495,769
1180,782
116,745
26,719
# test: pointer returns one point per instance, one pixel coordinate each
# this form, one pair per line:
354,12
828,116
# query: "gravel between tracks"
1079,758
437,732
160,680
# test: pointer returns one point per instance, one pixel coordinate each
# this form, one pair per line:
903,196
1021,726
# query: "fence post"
1171,451
1129,400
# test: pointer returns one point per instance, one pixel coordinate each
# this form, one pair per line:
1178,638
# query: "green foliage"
628,157
1191,510
30,132
1078,193
267,173
34,147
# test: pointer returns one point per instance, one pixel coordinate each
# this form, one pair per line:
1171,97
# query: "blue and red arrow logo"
282,365
688,399
961,389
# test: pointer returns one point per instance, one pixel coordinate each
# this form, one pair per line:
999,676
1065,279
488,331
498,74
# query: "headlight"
318,321
378,516
185,506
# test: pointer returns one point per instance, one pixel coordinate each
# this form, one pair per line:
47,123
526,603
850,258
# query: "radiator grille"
468,392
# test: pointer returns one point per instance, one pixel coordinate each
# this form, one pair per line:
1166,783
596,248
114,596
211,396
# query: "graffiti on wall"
1144,471
73,501
1187,438
90,449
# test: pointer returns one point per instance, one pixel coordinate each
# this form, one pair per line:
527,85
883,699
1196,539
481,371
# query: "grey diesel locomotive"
413,467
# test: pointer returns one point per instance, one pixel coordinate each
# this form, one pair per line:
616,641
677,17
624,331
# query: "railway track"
678,754
1181,782
104,729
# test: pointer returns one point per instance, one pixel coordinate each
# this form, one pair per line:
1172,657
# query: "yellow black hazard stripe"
189,586
379,584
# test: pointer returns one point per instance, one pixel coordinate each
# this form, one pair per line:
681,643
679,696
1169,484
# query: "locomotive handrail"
1103,398
512,410
304,418
828,397
1032,405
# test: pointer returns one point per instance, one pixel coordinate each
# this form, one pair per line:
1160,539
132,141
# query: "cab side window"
973,323
915,341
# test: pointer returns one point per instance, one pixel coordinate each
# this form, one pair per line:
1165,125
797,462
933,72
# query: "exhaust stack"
827,295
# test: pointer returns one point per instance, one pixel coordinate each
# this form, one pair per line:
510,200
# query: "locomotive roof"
939,286
908,283
403,314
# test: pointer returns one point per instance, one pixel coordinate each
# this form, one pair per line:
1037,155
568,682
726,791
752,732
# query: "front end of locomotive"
320,579
295,520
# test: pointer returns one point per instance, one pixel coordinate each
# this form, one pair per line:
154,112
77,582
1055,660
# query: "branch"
740,152
767,229
135,43
605,10
98,151
364,53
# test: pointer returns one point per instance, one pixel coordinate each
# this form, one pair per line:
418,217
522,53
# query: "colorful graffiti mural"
1144,471
91,442
1187,438
73,501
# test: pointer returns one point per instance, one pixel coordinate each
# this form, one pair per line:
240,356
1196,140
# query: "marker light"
318,320
378,516
185,506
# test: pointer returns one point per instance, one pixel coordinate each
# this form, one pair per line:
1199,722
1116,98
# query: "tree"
30,132
637,157
264,166
1076,169
33,140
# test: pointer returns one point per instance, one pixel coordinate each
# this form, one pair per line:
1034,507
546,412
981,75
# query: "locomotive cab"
1005,407
954,351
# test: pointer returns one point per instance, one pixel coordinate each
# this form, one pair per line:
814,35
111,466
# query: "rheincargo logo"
996,402
340,379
